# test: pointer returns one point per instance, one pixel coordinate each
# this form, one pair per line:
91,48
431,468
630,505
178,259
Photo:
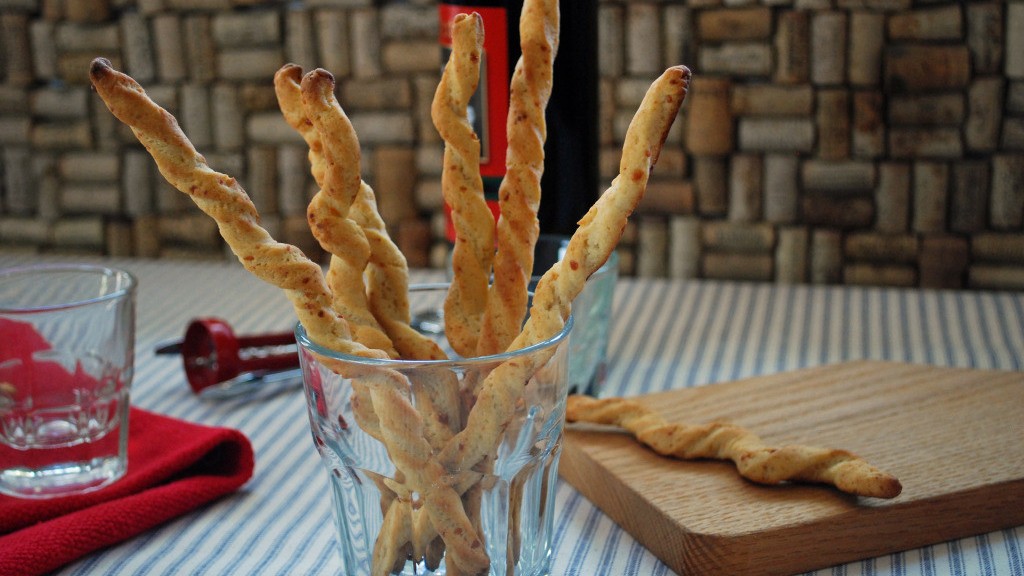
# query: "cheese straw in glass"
381,427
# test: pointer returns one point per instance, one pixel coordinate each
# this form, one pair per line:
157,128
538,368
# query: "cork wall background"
828,141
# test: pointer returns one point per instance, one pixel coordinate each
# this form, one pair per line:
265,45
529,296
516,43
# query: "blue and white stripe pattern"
665,335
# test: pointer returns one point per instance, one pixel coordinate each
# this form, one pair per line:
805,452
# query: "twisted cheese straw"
387,270
519,195
754,459
519,200
598,233
289,95
328,212
394,539
387,285
221,197
463,187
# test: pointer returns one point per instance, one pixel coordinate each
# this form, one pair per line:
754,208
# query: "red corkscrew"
213,354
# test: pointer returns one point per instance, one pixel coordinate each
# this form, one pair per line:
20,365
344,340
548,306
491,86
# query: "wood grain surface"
954,438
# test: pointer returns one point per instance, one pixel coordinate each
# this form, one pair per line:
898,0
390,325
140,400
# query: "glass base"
516,516
61,479
420,569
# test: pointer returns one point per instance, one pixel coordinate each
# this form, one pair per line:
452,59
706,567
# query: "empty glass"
66,362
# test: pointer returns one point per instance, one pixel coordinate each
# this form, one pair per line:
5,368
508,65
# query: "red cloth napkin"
173,467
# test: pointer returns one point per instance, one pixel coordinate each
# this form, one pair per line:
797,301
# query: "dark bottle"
570,182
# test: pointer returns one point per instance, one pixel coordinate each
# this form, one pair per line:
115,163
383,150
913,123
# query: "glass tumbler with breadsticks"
442,454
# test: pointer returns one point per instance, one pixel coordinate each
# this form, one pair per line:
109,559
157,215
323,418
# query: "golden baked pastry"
754,459
328,211
222,198
519,195
463,187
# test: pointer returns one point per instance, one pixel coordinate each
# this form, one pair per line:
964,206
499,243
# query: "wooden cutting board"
954,438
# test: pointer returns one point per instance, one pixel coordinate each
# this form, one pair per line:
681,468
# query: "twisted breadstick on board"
328,212
754,459
462,186
221,197
519,195
589,247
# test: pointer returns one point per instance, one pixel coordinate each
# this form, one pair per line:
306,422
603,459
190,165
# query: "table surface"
665,334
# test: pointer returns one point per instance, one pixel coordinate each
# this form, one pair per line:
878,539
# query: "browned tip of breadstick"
102,74
318,93
754,460
290,71
289,97
340,147
320,77
678,76
460,17
99,66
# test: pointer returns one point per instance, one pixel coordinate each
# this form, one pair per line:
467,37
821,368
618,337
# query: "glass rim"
303,341
91,269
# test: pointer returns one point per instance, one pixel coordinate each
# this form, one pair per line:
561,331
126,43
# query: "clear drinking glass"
383,429
66,360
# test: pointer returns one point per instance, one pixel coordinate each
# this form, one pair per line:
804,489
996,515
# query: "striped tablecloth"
664,335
